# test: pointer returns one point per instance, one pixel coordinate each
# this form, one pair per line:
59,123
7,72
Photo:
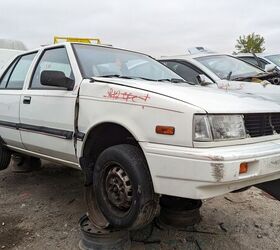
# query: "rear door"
47,113
11,85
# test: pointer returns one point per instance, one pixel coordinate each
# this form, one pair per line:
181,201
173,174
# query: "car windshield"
98,61
227,67
275,59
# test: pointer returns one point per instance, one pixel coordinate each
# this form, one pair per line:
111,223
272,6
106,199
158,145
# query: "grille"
262,124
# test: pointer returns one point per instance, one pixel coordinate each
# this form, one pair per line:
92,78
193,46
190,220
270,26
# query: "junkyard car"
262,59
135,128
226,72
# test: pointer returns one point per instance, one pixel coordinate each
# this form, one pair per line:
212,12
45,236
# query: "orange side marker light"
165,130
243,168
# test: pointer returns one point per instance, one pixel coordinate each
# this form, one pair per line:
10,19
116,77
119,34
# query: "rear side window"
6,76
15,76
251,60
186,72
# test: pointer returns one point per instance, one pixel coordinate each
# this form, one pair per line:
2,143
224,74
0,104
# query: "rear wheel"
5,158
124,188
25,164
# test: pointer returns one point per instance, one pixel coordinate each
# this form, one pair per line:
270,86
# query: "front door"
47,113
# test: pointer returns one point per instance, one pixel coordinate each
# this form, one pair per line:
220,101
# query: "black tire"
35,163
124,167
5,158
241,190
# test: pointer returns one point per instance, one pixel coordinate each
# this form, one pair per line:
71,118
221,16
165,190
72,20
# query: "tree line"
251,43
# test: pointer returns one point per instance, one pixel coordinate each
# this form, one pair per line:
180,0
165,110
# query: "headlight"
218,127
202,131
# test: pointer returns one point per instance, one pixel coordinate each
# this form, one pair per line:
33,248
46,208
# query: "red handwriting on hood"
126,96
228,86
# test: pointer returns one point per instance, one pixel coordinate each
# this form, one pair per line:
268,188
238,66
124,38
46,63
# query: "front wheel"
124,187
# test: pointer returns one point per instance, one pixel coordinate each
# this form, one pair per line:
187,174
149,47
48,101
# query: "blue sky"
156,27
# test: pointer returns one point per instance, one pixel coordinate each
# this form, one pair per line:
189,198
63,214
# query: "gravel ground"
40,210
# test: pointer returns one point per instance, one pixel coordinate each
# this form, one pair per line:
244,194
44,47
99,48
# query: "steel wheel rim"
118,188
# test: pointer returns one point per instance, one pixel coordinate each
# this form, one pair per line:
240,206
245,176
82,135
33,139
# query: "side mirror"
269,67
204,80
56,79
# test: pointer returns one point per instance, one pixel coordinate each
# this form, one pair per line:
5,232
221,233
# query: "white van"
9,49
7,55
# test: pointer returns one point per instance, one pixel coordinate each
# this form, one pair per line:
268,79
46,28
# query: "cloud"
156,27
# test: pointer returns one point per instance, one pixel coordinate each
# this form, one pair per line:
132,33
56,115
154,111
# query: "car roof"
269,54
87,44
192,56
257,54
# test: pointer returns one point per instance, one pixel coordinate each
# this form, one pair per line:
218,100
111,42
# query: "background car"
261,60
225,72
9,49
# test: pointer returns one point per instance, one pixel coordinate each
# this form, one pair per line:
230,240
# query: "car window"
97,61
52,59
186,72
138,68
251,60
6,76
274,58
229,67
16,74
263,63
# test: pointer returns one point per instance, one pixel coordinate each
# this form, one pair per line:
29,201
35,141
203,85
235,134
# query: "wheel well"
106,135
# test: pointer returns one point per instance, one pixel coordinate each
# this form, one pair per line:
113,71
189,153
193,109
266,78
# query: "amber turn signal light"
243,168
165,130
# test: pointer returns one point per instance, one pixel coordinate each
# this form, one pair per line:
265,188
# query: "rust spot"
218,171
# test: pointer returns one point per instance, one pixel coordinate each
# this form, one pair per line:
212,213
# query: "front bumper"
200,173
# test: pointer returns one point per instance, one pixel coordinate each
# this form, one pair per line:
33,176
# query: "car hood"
262,89
211,99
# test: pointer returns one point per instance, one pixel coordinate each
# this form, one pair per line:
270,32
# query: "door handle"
26,99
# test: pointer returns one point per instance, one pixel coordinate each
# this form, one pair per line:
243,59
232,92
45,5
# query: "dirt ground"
40,210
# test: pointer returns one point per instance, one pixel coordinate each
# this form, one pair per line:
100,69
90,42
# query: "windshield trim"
106,47
85,75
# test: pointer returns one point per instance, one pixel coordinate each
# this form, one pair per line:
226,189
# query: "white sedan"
226,72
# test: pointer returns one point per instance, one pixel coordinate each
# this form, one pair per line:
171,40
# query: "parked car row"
225,72
262,60
203,126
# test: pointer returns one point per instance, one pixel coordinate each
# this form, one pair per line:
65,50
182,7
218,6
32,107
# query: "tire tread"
149,200
5,158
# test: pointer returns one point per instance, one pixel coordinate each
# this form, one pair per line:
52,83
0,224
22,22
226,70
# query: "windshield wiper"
229,75
117,76
127,77
144,78
173,80
258,75
266,74
241,78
